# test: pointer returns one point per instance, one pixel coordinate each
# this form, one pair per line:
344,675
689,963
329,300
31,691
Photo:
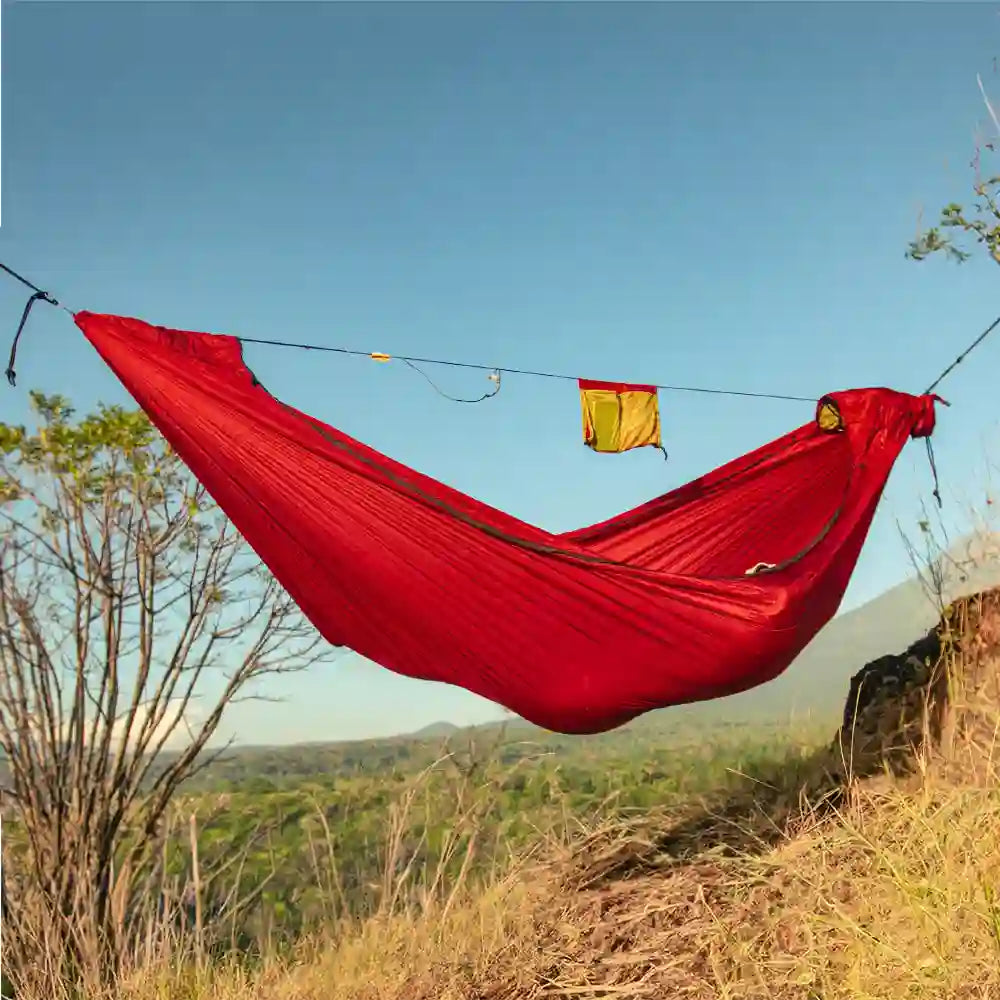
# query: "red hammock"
576,632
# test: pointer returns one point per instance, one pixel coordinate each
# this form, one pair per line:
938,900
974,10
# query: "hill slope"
787,884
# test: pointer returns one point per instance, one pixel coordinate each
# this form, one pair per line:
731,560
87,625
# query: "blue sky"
708,194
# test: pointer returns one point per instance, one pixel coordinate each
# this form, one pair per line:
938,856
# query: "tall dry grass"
198,918
888,893
792,885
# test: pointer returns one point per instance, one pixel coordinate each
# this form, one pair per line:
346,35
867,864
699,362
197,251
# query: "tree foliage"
979,224
131,615
976,224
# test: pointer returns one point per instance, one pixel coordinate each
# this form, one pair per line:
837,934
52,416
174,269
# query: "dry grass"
888,896
883,890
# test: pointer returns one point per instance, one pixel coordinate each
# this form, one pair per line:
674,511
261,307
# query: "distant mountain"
435,731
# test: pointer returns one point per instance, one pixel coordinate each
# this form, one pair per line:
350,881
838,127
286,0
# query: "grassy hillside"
505,744
499,864
742,890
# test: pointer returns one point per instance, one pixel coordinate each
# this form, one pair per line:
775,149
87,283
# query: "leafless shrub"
131,616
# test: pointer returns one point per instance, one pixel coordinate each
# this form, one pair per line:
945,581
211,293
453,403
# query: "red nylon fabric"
577,632
590,383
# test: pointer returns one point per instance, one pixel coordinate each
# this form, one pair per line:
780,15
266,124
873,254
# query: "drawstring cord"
39,295
934,472
930,452
494,377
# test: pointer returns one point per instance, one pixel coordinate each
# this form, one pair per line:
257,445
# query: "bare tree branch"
126,601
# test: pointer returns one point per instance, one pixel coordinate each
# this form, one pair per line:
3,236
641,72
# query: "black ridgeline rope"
512,371
41,295
38,296
407,359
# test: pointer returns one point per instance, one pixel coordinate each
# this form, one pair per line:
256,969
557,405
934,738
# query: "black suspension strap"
962,357
930,389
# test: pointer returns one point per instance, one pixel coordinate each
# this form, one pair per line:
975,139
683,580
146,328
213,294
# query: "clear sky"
708,194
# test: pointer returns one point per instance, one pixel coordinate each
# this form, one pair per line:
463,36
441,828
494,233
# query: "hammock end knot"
925,417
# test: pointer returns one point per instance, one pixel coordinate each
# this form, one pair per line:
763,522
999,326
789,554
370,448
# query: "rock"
944,687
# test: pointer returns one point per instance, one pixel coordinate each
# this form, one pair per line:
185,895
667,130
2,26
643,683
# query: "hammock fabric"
706,591
618,417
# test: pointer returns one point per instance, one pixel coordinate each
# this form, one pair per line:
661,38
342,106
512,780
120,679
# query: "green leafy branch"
979,224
